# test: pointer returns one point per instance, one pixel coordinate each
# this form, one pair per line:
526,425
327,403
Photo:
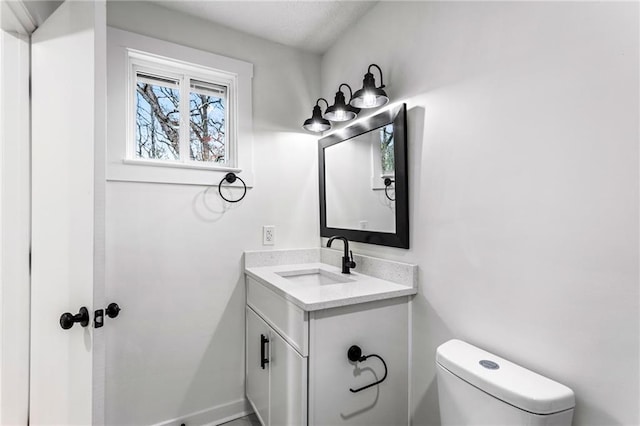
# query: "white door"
68,132
257,335
287,384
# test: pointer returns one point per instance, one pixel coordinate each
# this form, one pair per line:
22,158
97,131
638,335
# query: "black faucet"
347,262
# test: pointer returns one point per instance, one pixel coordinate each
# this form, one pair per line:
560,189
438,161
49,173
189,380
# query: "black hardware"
113,310
387,184
347,262
263,359
355,355
341,111
370,96
98,318
317,123
231,177
67,319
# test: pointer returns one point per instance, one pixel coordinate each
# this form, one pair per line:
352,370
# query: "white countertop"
362,288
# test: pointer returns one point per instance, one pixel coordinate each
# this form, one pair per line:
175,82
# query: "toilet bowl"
477,388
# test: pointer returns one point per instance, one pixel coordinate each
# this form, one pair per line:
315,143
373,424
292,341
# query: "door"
258,346
15,237
288,384
68,132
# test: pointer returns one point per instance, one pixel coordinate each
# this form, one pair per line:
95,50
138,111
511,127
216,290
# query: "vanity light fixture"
340,110
317,123
370,96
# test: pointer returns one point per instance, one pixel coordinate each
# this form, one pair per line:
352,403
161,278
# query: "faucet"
347,261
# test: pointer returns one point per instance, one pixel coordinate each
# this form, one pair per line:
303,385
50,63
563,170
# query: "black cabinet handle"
67,319
263,350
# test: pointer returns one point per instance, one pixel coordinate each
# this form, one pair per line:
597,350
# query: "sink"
314,277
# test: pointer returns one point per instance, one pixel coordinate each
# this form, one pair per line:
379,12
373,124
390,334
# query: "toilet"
477,388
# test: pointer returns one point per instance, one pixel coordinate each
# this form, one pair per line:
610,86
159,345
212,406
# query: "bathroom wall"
523,161
174,251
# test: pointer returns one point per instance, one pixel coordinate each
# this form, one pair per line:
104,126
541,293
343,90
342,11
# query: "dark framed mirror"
364,190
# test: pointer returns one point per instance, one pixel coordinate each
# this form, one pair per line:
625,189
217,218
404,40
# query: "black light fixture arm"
355,355
322,99
350,91
380,71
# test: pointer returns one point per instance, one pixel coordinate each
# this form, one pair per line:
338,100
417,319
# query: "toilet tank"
477,388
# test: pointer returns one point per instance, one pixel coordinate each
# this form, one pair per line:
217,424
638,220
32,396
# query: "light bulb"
340,115
316,127
369,100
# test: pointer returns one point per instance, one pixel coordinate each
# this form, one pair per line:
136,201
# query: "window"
182,113
176,114
157,118
387,156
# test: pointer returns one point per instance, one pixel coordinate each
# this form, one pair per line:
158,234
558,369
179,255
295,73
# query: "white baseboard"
212,416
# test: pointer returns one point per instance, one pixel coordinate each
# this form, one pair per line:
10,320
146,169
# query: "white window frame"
144,63
128,53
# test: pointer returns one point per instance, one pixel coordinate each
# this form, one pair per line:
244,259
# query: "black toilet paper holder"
355,355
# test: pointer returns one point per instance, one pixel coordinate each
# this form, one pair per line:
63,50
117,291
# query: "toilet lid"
503,379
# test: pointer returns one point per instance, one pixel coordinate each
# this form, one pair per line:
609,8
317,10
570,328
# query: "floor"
250,420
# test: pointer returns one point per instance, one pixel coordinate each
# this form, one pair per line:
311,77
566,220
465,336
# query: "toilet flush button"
489,364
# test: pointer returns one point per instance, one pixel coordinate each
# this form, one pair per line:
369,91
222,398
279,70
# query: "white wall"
174,251
523,162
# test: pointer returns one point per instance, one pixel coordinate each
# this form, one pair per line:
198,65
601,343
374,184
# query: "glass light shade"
316,123
340,111
369,96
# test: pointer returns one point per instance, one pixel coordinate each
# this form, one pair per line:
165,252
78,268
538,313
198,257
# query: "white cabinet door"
380,327
257,370
288,387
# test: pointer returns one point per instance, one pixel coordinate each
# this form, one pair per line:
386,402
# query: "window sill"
178,165
150,171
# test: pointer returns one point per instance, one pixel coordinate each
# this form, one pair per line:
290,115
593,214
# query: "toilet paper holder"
355,355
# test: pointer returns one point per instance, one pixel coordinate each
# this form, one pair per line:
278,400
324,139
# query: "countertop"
361,288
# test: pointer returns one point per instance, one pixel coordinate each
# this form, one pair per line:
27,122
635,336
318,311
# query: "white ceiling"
305,24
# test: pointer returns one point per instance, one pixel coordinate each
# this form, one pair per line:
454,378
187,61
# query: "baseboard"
212,416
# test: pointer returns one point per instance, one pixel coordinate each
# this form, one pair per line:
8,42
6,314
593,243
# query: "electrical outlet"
268,235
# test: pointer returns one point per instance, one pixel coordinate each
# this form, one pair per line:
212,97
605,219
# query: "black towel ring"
355,355
387,184
231,177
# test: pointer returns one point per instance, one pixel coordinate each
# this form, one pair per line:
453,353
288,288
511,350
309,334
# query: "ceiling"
310,25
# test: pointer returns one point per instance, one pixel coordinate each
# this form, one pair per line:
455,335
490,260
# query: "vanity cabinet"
276,375
306,379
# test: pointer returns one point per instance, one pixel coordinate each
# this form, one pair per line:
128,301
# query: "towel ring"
387,184
231,177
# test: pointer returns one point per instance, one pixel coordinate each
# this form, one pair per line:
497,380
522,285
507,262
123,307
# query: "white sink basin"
314,277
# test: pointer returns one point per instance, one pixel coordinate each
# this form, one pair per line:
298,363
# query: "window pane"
387,149
207,103
157,118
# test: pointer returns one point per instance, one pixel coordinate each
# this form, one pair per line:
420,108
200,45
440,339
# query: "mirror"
363,181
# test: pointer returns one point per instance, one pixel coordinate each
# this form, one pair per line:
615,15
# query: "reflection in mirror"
363,181
355,174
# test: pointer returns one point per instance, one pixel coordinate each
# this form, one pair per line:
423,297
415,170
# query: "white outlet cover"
268,235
